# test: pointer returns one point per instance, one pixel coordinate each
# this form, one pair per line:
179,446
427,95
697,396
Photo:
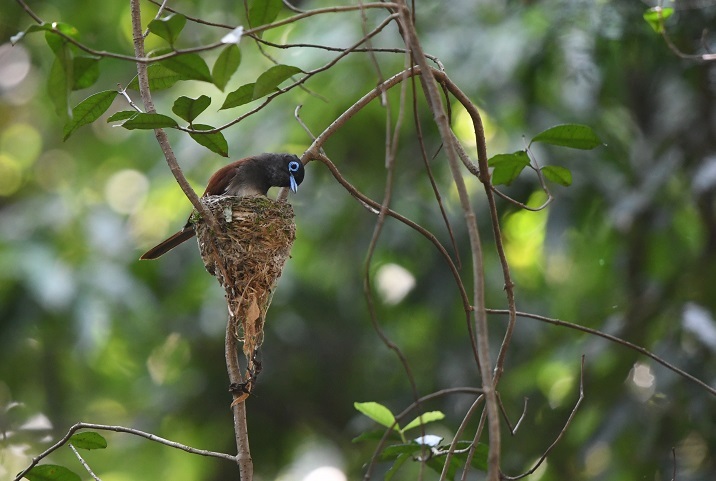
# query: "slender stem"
160,134
434,103
238,406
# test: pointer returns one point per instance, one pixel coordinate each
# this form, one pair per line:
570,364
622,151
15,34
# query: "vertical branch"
484,176
239,410
238,407
160,134
435,104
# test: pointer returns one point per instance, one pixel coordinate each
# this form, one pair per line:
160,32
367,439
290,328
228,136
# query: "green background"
87,332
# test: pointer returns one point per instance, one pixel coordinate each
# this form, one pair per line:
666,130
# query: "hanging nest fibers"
247,258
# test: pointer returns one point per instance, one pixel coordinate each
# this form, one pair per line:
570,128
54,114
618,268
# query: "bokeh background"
87,332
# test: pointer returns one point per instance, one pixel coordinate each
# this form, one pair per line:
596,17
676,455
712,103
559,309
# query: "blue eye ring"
293,166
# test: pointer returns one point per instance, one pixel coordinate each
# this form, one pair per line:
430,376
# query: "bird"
248,176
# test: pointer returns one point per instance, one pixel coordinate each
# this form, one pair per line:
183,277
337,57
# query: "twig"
399,417
29,11
513,430
458,434
614,339
241,431
123,92
83,462
156,17
561,433
160,134
120,429
434,103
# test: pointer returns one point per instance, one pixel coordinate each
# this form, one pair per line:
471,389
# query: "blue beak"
294,185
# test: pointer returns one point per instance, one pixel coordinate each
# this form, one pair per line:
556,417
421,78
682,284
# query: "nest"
247,258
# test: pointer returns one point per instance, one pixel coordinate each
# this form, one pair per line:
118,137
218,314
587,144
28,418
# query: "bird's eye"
293,166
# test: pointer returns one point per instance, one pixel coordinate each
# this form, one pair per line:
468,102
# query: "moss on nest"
247,258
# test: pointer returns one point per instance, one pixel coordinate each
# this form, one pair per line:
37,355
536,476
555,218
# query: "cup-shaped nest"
247,257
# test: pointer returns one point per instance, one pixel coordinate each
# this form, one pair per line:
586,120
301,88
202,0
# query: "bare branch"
83,462
120,429
614,339
561,433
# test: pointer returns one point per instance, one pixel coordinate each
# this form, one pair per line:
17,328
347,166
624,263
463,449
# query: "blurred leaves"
87,329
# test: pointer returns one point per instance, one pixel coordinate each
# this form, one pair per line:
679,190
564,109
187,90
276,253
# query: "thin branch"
434,103
561,433
83,462
315,152
513,430
304,79
406,411
120,429
30,12
458,434
614,339
160,134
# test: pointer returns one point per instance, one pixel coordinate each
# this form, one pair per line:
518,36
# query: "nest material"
247,258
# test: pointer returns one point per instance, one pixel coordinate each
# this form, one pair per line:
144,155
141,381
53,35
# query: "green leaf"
168,27
189,109
146,121
58,88
424,419
226,65
399,461
507,166
85,72
378,413
189,65
515,159
160,78
272,78
375,435
479,458
240,96
655,17
88,440
56,42
121,115
262,12
569,135
89,110
558,175
505,175
214,142
51,472
395,450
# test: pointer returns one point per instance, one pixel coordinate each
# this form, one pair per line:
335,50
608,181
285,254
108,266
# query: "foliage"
629,248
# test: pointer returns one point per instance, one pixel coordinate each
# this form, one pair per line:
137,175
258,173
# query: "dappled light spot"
524,237
14,67
325,473
10,176
126,191
394,282
464,128
556,381
642,381
22,142
597,459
